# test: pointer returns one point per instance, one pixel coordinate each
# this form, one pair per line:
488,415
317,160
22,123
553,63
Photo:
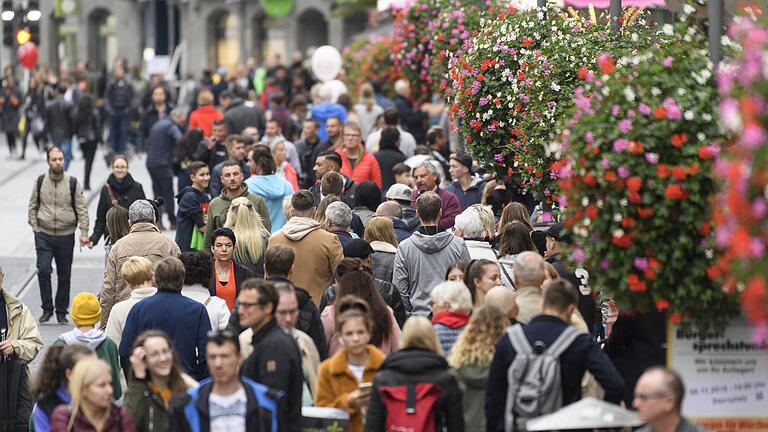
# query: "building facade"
209,33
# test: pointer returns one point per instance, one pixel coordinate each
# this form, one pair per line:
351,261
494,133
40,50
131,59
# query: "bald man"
504,299
392,210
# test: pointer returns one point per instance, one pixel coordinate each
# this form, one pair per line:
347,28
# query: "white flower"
623,202
688,9
709,253
554,86
681,91
618,232
599,202
629,94
585,201
655,91
617,217
668,29
688,115
586,223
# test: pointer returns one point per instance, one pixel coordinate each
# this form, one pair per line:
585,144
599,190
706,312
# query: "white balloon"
326,63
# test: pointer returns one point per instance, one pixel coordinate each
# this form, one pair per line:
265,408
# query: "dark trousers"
118,131
89,151
10,138
162,186
61,249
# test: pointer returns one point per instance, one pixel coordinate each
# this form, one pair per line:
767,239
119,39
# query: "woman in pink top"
352,279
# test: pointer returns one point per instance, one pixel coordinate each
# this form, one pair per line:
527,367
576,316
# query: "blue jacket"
473,194
323,111
215,187
401,229
41,413
184,320
193,209
273,189
190,411
583,354
160,143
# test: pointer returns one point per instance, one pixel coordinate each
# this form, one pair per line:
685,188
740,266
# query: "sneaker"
62,318
45,317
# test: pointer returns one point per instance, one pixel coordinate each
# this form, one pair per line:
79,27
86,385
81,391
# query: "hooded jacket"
125,193
203,118
366,167
415,366
401,229
145,240
105,349
273,189
472,380
472,195
193,209
219,206
325,110
317,253
420,264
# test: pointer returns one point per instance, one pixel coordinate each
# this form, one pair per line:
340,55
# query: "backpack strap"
519,340
111,194
504,269
563,341
72,191
39,188
410,399
207,301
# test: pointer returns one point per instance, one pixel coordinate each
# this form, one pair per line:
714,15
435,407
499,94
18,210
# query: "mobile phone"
366,386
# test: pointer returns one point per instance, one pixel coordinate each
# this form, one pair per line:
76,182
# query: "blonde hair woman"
251,235
367,109
92,407
419,361
471,358
380,233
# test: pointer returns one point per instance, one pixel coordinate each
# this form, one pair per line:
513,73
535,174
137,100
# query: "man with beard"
56,208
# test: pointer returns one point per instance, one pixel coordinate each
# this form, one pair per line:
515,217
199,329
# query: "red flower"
675,318
610,176
582,73
589,180
674,192
693,169
628,223
635,147
713,272
623,241
754,298
635,198
679,173
527,42
662,171
660,113
679,139
635,284
634,183
644,212
706,153
662,304
591,211
606,64
480,77
704,228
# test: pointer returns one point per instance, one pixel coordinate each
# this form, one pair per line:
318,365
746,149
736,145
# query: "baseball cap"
357,248
465,160
558,232
400,192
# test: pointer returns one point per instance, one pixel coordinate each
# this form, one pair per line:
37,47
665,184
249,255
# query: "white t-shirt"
357,371
228,412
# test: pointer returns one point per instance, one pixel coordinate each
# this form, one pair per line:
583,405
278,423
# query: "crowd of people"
325,254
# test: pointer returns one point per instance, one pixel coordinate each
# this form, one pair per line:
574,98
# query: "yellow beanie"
86,309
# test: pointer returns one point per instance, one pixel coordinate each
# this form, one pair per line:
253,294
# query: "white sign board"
725,375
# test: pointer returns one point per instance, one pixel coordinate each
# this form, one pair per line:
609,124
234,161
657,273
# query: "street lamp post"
615,10
715,12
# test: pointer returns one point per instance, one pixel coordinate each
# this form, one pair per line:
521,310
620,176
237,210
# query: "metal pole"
541,3
715,12
171,27
615,10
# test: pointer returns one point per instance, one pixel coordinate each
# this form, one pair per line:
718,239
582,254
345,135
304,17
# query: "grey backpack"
534,380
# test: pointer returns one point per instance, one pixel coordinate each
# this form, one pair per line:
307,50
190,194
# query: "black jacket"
148,119
125,193
387,159
308,156
86,128
276,363
583,354
241,274
58,118
309,318
388,292
240,116
349,192
587,305
637,342
414,366
119,96
412,119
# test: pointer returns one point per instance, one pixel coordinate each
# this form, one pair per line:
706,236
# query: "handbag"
197,243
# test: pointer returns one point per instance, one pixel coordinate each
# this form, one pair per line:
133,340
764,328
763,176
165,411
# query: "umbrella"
588,413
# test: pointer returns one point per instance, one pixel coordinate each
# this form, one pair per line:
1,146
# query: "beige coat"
55,215
145,240
119,313
317,253
22,329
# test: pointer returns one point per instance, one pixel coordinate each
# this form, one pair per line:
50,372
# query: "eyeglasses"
248,305
351,136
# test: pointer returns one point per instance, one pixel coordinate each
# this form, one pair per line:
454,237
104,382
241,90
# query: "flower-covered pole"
615,10
715,12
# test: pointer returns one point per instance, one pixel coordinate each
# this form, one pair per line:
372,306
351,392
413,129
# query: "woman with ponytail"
367,110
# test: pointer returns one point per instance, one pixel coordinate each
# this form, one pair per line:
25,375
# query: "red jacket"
366,168
204,117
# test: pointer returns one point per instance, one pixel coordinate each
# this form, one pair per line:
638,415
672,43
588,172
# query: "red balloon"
27,55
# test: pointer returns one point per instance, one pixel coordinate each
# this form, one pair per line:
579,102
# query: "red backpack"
410,408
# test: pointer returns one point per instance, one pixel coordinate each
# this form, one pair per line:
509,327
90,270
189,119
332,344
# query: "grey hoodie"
420,264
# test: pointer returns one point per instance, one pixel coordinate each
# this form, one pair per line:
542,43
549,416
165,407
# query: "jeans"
65,144
118,131
61,249
162,186
89,151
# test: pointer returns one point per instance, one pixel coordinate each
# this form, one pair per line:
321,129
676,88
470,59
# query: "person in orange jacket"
357,163
204,116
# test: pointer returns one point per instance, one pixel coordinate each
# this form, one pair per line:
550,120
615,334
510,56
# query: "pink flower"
625,125
667,62
652,158
753,136
615,110
620,145
622,171
673,109
589,138
604,163
641,263
644,109
759,208
604,264
578,255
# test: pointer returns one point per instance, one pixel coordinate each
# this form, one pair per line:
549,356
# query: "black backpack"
72,189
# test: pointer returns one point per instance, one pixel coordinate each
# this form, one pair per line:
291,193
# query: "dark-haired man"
329,161
392,120
56,208
240,114
317,251
213,150
236,153
226,401
309,147
234,187
276,360
583,353
184,320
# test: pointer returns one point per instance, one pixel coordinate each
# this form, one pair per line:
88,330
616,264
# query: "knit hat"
465,160
85,309
141,211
